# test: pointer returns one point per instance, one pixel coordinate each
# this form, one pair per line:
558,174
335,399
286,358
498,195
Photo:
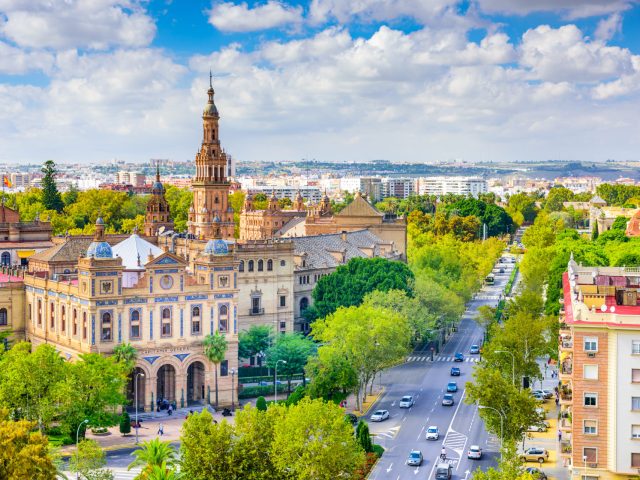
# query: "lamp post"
513,364
78,448
501,425
135,390
233,378
275,382
584,460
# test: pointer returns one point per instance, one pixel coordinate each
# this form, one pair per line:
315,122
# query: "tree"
363,436
295,350
556,198
509,467
71,195
163,472
51,199
24,452
330,373
298,394
126,355
89,461
179,200
594,234
125,423
313,442
215,349
255,340
620,223
261,404
154,453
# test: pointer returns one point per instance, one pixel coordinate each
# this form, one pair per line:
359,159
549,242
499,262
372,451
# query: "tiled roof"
68,251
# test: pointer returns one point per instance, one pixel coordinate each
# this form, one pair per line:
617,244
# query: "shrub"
125,424
261,404
378,450
252,392
297,395
363,437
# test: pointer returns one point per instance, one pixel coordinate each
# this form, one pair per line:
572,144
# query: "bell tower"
210,213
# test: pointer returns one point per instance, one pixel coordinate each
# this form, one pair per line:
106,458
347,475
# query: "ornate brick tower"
158,211
210,215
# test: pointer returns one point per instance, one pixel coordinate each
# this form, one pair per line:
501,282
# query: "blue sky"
343,80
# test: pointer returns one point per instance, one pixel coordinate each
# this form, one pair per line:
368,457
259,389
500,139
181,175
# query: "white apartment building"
310,194
397,187
136,179
456,185
20,180
371,187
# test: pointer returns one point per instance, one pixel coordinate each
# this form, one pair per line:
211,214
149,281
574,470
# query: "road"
460,426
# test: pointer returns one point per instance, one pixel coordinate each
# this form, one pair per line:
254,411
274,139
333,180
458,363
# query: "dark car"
458,357
536,473
455,371
452,387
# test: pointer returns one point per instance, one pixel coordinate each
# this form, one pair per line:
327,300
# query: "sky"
332,80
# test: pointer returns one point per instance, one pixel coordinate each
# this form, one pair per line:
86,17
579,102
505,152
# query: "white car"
380,415
539,427
432,433
475,452
407,401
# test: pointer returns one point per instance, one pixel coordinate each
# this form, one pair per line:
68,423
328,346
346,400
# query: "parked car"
447,400
432,433
535,454
406,401
379,415
547,393
539,427
541,411
351,418
540,397
536,473
458,357
415,458
475,452
455,371
474,350
452,387
444,471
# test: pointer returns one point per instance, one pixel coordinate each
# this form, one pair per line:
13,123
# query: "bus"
490,279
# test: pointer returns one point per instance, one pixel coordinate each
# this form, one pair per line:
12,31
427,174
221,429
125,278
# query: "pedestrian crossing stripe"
440,359
391,433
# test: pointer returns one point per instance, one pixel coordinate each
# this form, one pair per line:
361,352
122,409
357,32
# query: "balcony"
566,369
256,311
566,343
565,448
566,423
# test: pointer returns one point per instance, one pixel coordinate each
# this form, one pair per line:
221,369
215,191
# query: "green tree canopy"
215,349
51,199
290,352
254,340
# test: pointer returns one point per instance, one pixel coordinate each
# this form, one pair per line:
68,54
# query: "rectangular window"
135,330
283,325
30,312
165,326
635,403
283,301
635,431
53,316
635,347
40,312
84,325
590,344
635,375
106,327
75,322
591,453
224,368
635,460
590,427
590,399
195,326
591,372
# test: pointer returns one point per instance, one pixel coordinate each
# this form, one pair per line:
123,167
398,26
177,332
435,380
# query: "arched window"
304,304
39,312
63,319
260,265
53,316
6,258
74,328
166,322
241,266
135,324
223,318
106,327
196,328
84,325
250,265
269,265
3,317
195,312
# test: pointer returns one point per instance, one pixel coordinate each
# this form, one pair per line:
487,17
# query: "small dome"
99,250
210,110
216,247
99,221
157,187
216,219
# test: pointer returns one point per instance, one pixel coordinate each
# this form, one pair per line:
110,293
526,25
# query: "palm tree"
125,354
215,348
162,472
154,453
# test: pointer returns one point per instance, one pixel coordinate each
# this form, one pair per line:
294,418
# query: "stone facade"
20,240
158,215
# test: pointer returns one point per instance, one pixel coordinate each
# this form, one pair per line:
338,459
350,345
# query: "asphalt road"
459,426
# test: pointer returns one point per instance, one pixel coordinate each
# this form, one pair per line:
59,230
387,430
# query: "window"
590,399
84,325
224,368
590,427
260,265
195,321
6,258
635,347
53,316
283,300
30,306
39,312
591,453
241,266
590,344
223,318
135,324
106,327
63,318
304,304
250,266
166,322
635,403
590,372
269,265
282,263
283,325
3,317
74,327
635,460
635,431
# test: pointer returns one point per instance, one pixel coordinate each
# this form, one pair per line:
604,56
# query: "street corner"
370,401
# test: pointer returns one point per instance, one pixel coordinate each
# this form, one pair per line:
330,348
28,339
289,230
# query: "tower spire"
157,170
210,79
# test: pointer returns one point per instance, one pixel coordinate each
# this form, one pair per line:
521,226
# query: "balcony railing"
256,311
566,343
565,447
566,369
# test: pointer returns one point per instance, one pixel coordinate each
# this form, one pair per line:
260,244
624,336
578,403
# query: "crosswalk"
427,358
455,441
391,433
488,297
118,473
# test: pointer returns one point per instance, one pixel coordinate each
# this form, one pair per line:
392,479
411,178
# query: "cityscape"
318,240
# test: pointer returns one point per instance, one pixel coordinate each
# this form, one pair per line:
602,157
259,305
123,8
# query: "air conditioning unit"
591,354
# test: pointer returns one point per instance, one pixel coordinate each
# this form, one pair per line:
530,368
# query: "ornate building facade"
158,216
265,224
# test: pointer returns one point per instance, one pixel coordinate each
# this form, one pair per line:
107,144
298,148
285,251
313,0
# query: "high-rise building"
456,185
370,187
136,179
397,187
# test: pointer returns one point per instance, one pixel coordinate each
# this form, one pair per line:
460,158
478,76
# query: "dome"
216,219
216,247
99,250
157,187
99,221
210,110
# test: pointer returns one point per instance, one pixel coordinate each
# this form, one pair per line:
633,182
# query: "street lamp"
513,364
275,382
135,390
584,459
501,425
233,377
78,449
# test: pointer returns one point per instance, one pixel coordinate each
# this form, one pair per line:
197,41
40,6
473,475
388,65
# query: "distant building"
158,215
264,224
397,187
20,180
20,240
309,194
371,187
473,186
136,179
579,184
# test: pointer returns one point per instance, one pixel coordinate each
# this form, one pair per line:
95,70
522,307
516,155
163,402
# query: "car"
415,458
547,393
539,427
452,387
501,270
474,349
432,433
447,400
541,412
458,357
540,397
535,454
455,371
379,415
475,452
351,418
536,473
444,471
406,401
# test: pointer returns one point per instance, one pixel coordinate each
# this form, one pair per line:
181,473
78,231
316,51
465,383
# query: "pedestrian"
557,401
170,409
559,435
161,429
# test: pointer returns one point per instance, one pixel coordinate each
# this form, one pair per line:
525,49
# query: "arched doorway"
131,392
166,384
195,383
5,259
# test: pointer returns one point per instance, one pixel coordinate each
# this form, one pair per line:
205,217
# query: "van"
444,471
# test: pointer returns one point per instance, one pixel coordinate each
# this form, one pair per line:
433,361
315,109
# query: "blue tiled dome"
99,250
216,247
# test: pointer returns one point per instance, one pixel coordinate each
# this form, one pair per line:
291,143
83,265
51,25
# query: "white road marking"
390,467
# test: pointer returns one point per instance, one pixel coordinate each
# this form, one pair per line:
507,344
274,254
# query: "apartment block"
397,187
456,185
370,187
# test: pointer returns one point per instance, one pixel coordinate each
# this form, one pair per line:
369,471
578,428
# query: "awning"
25,253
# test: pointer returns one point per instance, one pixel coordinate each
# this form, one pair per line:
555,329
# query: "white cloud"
570,8
60,24
608,27
232,17
16,61
625,85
